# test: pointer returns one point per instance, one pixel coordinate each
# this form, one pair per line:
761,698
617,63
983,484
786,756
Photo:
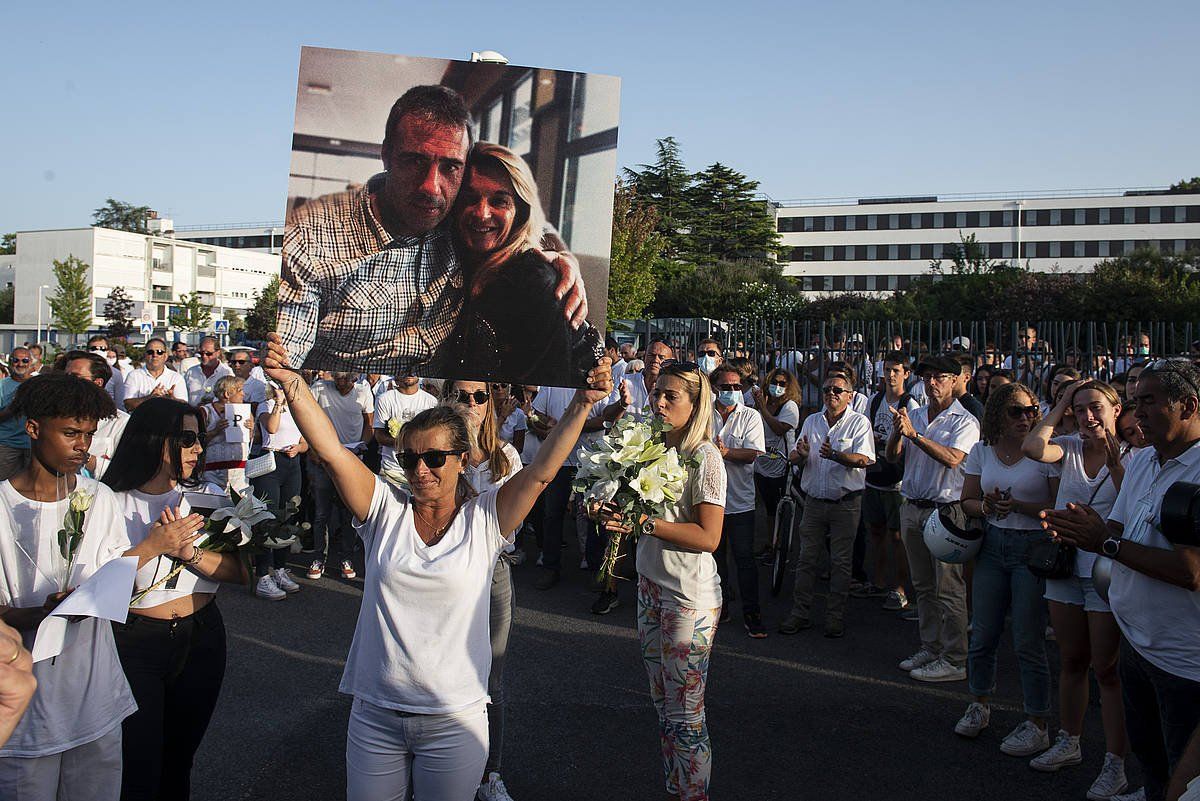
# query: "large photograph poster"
436,209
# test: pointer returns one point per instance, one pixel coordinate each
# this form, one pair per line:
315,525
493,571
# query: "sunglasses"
837,391
1017,412
480,397
186,439
155,352
26,360
710,353
782,382
207,352
729,387
239,361
500,386
432,459
98,349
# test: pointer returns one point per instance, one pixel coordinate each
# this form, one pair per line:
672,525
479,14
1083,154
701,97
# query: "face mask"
1143,350
111,360
775,390
707,364
728,397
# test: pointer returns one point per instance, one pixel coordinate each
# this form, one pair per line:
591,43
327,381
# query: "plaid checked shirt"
355,299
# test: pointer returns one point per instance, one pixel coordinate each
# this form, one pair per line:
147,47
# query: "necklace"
437,530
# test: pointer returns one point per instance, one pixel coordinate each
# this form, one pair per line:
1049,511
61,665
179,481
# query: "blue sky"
189,109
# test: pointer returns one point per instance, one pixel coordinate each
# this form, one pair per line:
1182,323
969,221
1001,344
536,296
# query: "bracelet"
197,555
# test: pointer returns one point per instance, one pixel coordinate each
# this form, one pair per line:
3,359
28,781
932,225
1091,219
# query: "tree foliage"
121,216
725,290
8,244
260,320
7,302
637,246
118,314
664,185
192,313
1186,185
71,303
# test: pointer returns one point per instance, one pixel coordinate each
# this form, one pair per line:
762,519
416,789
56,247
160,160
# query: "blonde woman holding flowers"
679,593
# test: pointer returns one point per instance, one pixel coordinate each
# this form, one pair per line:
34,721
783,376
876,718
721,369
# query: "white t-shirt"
1027,480
116,388
774,464
200,387
254,391
553,401
513,423
824,478
742,429
1075,486
288,433
82,693
684,576
925,478
345,411
1160,620
139,384
105,441
639,405
395,405
882,426
480,476
421,643
141,511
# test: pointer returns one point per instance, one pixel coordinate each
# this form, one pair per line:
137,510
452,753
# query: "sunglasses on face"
499,386
479,396
1017,412
239,361
186,439
710,353
155,352
729,387
836,391
780,382
26,360
98,349
207,353
432,459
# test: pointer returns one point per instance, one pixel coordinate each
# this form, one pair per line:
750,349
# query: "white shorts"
1076,591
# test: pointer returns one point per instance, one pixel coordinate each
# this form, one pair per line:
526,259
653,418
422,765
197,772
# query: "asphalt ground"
799,717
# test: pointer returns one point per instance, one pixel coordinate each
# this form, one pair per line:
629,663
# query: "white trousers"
441,756
88,772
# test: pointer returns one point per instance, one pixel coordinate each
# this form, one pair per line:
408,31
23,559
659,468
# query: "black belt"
849,496
921,503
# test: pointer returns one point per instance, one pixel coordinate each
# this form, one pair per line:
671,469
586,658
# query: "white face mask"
111,360
775,390
707,364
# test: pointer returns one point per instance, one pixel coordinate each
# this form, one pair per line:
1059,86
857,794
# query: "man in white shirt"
116,385
93,367
613,351
1154,592
201,379
741,439
153,379
403,401
641,385
934,441
836,445
181,359
254,389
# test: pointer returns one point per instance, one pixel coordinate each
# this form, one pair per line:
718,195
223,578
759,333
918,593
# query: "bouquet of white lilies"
632,471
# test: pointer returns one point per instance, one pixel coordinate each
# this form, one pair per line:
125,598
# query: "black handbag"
1053,558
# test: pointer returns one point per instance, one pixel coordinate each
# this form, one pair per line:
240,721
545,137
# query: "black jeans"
557,493
175,668
1161,712
277,487
737,534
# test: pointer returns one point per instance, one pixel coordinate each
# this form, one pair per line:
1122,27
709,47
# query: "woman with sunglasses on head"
419,661
491,463
1008,490
172,647
679,591
779,406
1092,463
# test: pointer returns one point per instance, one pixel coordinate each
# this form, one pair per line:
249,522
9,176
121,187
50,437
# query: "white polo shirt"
925,478
200,386
639,404
139,384
553,401
742,429
824,478
1160,620
345,411
394,404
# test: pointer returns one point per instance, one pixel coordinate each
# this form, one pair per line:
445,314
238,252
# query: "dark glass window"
1091,216
972,219
893,221
1141,215
1091,249
860,283
1193,214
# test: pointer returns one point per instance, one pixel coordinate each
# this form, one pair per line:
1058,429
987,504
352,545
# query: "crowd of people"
439,489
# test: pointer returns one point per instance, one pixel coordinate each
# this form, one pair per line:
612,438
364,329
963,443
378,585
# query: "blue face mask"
775,390
707,364
728,397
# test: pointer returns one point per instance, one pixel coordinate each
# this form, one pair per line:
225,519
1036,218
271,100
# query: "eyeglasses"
944,376
207,352
780,382
480,397
432,459
155,352
710,353
1017,412
1171,366
98,349
836,391
186,439
729,387
239,361
500,386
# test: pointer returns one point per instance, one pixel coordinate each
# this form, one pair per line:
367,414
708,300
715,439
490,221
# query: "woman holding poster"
512,325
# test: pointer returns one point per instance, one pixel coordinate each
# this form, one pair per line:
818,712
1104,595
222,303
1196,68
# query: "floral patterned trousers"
676,643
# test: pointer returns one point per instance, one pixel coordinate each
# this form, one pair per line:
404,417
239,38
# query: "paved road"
791,718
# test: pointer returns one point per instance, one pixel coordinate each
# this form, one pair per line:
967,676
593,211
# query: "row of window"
261,241
854,283
1079,249
1134,215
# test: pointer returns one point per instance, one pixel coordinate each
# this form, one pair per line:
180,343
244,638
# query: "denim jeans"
557,493
277,487
737,534
500,625
331,519
1161,712
1002,582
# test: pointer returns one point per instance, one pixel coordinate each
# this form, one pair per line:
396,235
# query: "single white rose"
80,501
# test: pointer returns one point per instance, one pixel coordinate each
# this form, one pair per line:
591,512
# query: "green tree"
260,320
636,248
8,244
192,313
71,303
118,314
968,257
121,216
235,320
1187,185
7,301
664,185
726,290
729,221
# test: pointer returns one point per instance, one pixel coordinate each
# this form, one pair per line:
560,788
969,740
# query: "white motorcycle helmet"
1102,576
950,539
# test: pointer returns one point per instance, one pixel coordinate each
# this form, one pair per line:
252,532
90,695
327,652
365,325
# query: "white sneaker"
974,720
1110,781
1064,752
1025,740
267,589
493,789
1136,795
283,580
938,670
919,659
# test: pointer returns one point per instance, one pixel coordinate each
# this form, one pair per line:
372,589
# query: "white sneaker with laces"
268,590
283,580
1025,740
974,720
919,659
1136,795
939,670
493,789
348,570
1064,752
1110,781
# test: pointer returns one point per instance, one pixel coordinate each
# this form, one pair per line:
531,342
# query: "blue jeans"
333,537
1003,582
277,488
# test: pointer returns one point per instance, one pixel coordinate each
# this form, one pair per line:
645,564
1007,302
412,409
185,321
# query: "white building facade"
879,244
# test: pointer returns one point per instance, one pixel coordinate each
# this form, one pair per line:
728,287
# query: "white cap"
961,342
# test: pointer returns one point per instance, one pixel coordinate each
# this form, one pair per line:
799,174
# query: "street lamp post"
39,305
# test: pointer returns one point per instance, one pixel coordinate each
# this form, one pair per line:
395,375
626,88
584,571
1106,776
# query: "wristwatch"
916,435
648,527
1111,547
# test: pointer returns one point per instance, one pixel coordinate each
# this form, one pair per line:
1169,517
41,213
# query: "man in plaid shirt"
370,278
